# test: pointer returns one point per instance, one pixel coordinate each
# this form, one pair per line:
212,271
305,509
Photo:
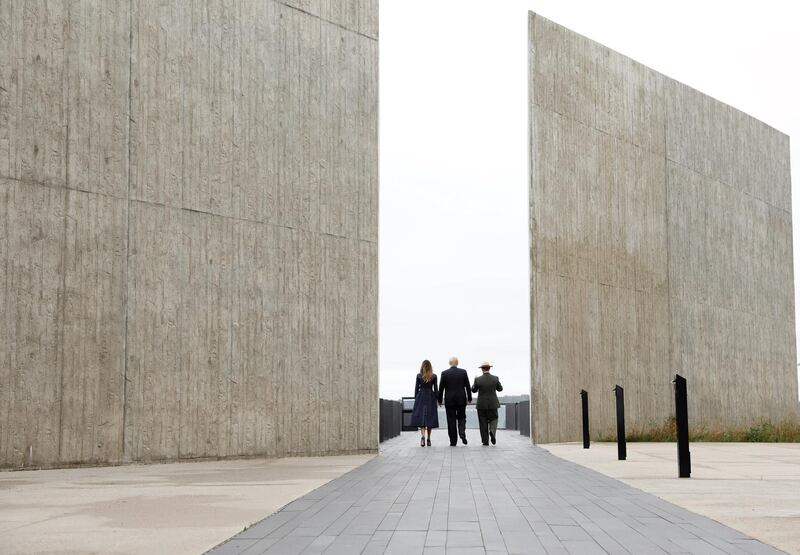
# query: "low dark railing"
511,416
407,409
391,418
524,418
516,416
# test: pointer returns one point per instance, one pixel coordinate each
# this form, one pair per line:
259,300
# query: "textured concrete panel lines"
299,295
254,404
211,92
205,335
257,137
591,84
367,176
157,101
267,303
64,325
153,399
738,150
32,106
93,337
189,193
97,51
31,260
624,219
733,262
292,100
359,16
300,95
64,95
339,196
660,243
366,339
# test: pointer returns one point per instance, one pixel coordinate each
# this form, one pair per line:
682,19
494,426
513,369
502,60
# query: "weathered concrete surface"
661,243
752,487
188,206
155,508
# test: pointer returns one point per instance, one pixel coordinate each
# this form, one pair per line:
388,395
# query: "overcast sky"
453,132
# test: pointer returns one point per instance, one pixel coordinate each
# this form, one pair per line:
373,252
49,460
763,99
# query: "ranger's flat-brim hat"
485,365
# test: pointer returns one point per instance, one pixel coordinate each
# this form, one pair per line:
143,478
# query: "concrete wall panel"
730,303
31,258
189,197
153,395
254,286
211,52
205,335
157,60
93,328
660,244
32,106
366,337
97,72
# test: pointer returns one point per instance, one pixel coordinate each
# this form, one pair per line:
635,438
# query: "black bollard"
585,414
622,452
682,424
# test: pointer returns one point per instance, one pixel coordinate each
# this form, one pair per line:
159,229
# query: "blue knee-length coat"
426,412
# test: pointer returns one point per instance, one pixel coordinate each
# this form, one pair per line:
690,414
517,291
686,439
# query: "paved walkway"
753,487
512,498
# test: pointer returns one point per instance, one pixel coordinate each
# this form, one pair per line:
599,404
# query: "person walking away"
425,415
454,388
486,386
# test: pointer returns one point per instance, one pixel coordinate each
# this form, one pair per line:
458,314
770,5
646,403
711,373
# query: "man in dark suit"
454,387
487,386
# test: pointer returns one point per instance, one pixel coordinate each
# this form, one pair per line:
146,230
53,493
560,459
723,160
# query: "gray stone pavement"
510,498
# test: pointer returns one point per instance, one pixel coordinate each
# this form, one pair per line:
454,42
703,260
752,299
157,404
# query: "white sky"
453,132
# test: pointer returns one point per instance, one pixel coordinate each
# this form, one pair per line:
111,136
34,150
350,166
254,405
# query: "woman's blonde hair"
426,371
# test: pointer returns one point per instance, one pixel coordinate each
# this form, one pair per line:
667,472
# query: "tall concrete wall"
188,229
661,243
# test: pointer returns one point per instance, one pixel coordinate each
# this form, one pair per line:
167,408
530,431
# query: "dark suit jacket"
456,382
487,386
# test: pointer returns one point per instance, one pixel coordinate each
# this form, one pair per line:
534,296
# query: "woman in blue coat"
425,414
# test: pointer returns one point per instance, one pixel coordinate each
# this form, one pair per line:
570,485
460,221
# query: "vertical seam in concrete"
63,269
235,250
376,188
531,278
666,232
180,213
317,169
127,231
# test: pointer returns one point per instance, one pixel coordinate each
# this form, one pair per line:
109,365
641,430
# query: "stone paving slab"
177,508
509,498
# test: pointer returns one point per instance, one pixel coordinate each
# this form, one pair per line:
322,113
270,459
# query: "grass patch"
761,432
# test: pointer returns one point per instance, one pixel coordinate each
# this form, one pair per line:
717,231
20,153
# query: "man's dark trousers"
487,420
456,414
455,392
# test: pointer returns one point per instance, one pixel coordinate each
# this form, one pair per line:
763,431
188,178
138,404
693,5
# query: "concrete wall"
188,229
661,243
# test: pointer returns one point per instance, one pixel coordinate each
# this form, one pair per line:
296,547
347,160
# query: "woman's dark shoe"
429,442
422,442
494,440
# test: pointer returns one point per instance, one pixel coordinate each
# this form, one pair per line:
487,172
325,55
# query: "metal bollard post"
682,424
585,414
622,452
